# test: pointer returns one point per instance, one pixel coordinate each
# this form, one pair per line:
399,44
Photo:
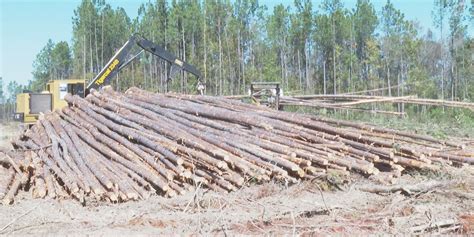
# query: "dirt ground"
310,207
8,130
333,205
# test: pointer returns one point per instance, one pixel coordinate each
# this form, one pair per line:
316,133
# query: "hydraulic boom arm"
118,61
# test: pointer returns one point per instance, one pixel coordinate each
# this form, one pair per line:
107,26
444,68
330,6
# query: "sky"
26,26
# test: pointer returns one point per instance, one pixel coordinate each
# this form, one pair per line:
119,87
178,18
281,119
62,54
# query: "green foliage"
13,89
324,48
365,23
42,66
52,62
61,61
98,31
420,84
433,121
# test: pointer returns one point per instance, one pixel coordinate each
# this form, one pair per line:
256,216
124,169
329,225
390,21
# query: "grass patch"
434,121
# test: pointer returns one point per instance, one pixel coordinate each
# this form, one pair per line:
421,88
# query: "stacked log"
118,147
350,102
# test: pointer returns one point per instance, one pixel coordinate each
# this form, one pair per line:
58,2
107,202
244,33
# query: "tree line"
309,47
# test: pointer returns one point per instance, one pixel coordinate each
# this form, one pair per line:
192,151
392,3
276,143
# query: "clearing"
310,207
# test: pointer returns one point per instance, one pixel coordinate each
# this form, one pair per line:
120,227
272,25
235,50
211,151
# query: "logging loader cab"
29,105
266,93
119,61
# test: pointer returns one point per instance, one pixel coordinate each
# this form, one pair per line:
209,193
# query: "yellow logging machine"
29,105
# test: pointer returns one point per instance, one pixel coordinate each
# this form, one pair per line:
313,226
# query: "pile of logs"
352,102
126,146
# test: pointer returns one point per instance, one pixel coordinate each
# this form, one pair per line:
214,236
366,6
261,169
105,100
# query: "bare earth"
333,205
260,209
8,130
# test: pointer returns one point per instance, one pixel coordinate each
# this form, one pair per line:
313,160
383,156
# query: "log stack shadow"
127,146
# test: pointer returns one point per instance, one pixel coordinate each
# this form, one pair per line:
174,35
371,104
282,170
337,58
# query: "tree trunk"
388,80
229,74
144,75
96,47
398,90
243,69
133,74
185,89
91,56
282,69
334,54
307,57
151,71
299,71
285,65
442,82
240,59
84,57
220,55
351,52
324,77
102,41
451,72
205,44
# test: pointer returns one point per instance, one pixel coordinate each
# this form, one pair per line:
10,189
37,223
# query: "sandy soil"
310,207
8,130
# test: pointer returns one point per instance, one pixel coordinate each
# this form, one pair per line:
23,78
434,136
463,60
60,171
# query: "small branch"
20,216
35,149
408,189
10,161
453,224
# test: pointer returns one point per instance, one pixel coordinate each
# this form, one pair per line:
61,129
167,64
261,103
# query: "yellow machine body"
23,109
59,89
30,105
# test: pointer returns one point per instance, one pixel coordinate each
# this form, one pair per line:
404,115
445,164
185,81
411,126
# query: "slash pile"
125,146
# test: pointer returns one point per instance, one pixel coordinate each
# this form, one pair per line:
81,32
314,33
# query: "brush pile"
126,146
